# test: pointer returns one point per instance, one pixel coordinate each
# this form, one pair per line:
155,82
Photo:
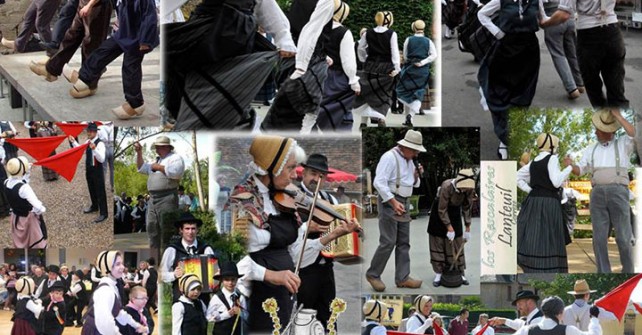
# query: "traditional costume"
379,51
94,173
335,112
45,130
421,322
542,235
418,53
454,198
27,224
27,309
374,311
53,318
188,316
508,73
223,301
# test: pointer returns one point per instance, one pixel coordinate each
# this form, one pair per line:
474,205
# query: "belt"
162,193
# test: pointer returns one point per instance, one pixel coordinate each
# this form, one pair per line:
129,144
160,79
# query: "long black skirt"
335,112
541,242
376,87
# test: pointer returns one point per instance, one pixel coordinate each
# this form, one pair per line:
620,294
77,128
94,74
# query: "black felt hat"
187,217
228,269
317,162
525,295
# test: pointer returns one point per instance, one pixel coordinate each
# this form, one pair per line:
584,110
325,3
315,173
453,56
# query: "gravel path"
67,226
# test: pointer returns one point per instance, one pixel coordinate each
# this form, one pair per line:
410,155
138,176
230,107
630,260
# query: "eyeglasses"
142,298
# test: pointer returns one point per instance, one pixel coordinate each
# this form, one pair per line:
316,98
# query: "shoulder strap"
398,180
221,296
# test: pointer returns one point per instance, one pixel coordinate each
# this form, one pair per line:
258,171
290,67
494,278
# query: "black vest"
91,163
299,15
428,330
51,325
21,312
194,321
82,294
225,327
127,329
152,280
333,47
367,329
20,206
509,18
540,180
379,46
557,330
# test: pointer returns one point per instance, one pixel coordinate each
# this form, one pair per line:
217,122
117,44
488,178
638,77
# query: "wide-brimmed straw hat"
374,309
581,287
413,140
605,121
162,141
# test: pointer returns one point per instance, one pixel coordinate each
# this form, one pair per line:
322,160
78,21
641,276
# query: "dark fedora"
187,217
317,162
525,295
92,127
228,269
54,268
57,286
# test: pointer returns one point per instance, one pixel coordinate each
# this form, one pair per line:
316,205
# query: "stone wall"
11,13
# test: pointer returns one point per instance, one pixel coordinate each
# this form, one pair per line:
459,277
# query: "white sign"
498,204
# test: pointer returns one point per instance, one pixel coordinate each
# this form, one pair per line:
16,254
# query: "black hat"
79,274
228,269
53,268
57,286
187,217
92,127
317,162
525,295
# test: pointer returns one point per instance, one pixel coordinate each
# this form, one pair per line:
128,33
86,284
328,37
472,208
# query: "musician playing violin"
275,236
317,279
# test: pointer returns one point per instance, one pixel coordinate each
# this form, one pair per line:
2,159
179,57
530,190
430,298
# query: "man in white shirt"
578,313
94,158
608,161
184,201
171,266
483,319
553,308
164,176
396,177
106,134
526,302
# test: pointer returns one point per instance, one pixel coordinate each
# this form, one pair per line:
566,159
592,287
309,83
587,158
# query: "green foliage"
564,283
448,150
231,246
189,179
127,179
472,302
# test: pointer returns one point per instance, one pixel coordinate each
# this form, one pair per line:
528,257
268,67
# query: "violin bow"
296,310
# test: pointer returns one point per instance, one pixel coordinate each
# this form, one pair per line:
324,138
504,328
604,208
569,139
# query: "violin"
292,199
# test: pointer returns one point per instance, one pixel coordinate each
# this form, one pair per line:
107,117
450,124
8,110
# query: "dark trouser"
151,294
80,306
109,163
132,72
317,289
87,32
65,18
96,185
37,17
601,51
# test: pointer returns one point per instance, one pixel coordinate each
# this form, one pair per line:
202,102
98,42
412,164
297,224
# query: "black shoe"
465,282
408,122
100,219
79,325
436,283
421,112
88,210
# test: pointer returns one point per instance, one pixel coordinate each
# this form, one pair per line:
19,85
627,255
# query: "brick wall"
10,15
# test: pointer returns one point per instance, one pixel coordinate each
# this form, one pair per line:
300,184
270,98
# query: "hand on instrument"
179,272
317,228
346,228
285,278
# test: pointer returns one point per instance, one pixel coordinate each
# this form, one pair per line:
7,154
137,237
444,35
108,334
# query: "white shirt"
26,192
488,331
178,310
570,193
184,200
34,307
95,275
432,55
173,163
556,175
487,12
588,12
217,311
310,33
42,286
104,299
166,272
98,153
545,323
75,288
573,313
378,330
605,155
362,50
348,55
417,324
106,133
386,177
519,323
270,16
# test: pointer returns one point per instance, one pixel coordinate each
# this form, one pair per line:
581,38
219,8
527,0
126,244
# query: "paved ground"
53,102
460,94
420,267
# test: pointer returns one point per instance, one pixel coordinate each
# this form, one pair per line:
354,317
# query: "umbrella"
335,176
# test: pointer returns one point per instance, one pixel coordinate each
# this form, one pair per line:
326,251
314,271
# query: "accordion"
204,267
348,246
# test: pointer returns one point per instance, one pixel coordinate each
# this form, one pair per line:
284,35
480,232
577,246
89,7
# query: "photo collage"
313,167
